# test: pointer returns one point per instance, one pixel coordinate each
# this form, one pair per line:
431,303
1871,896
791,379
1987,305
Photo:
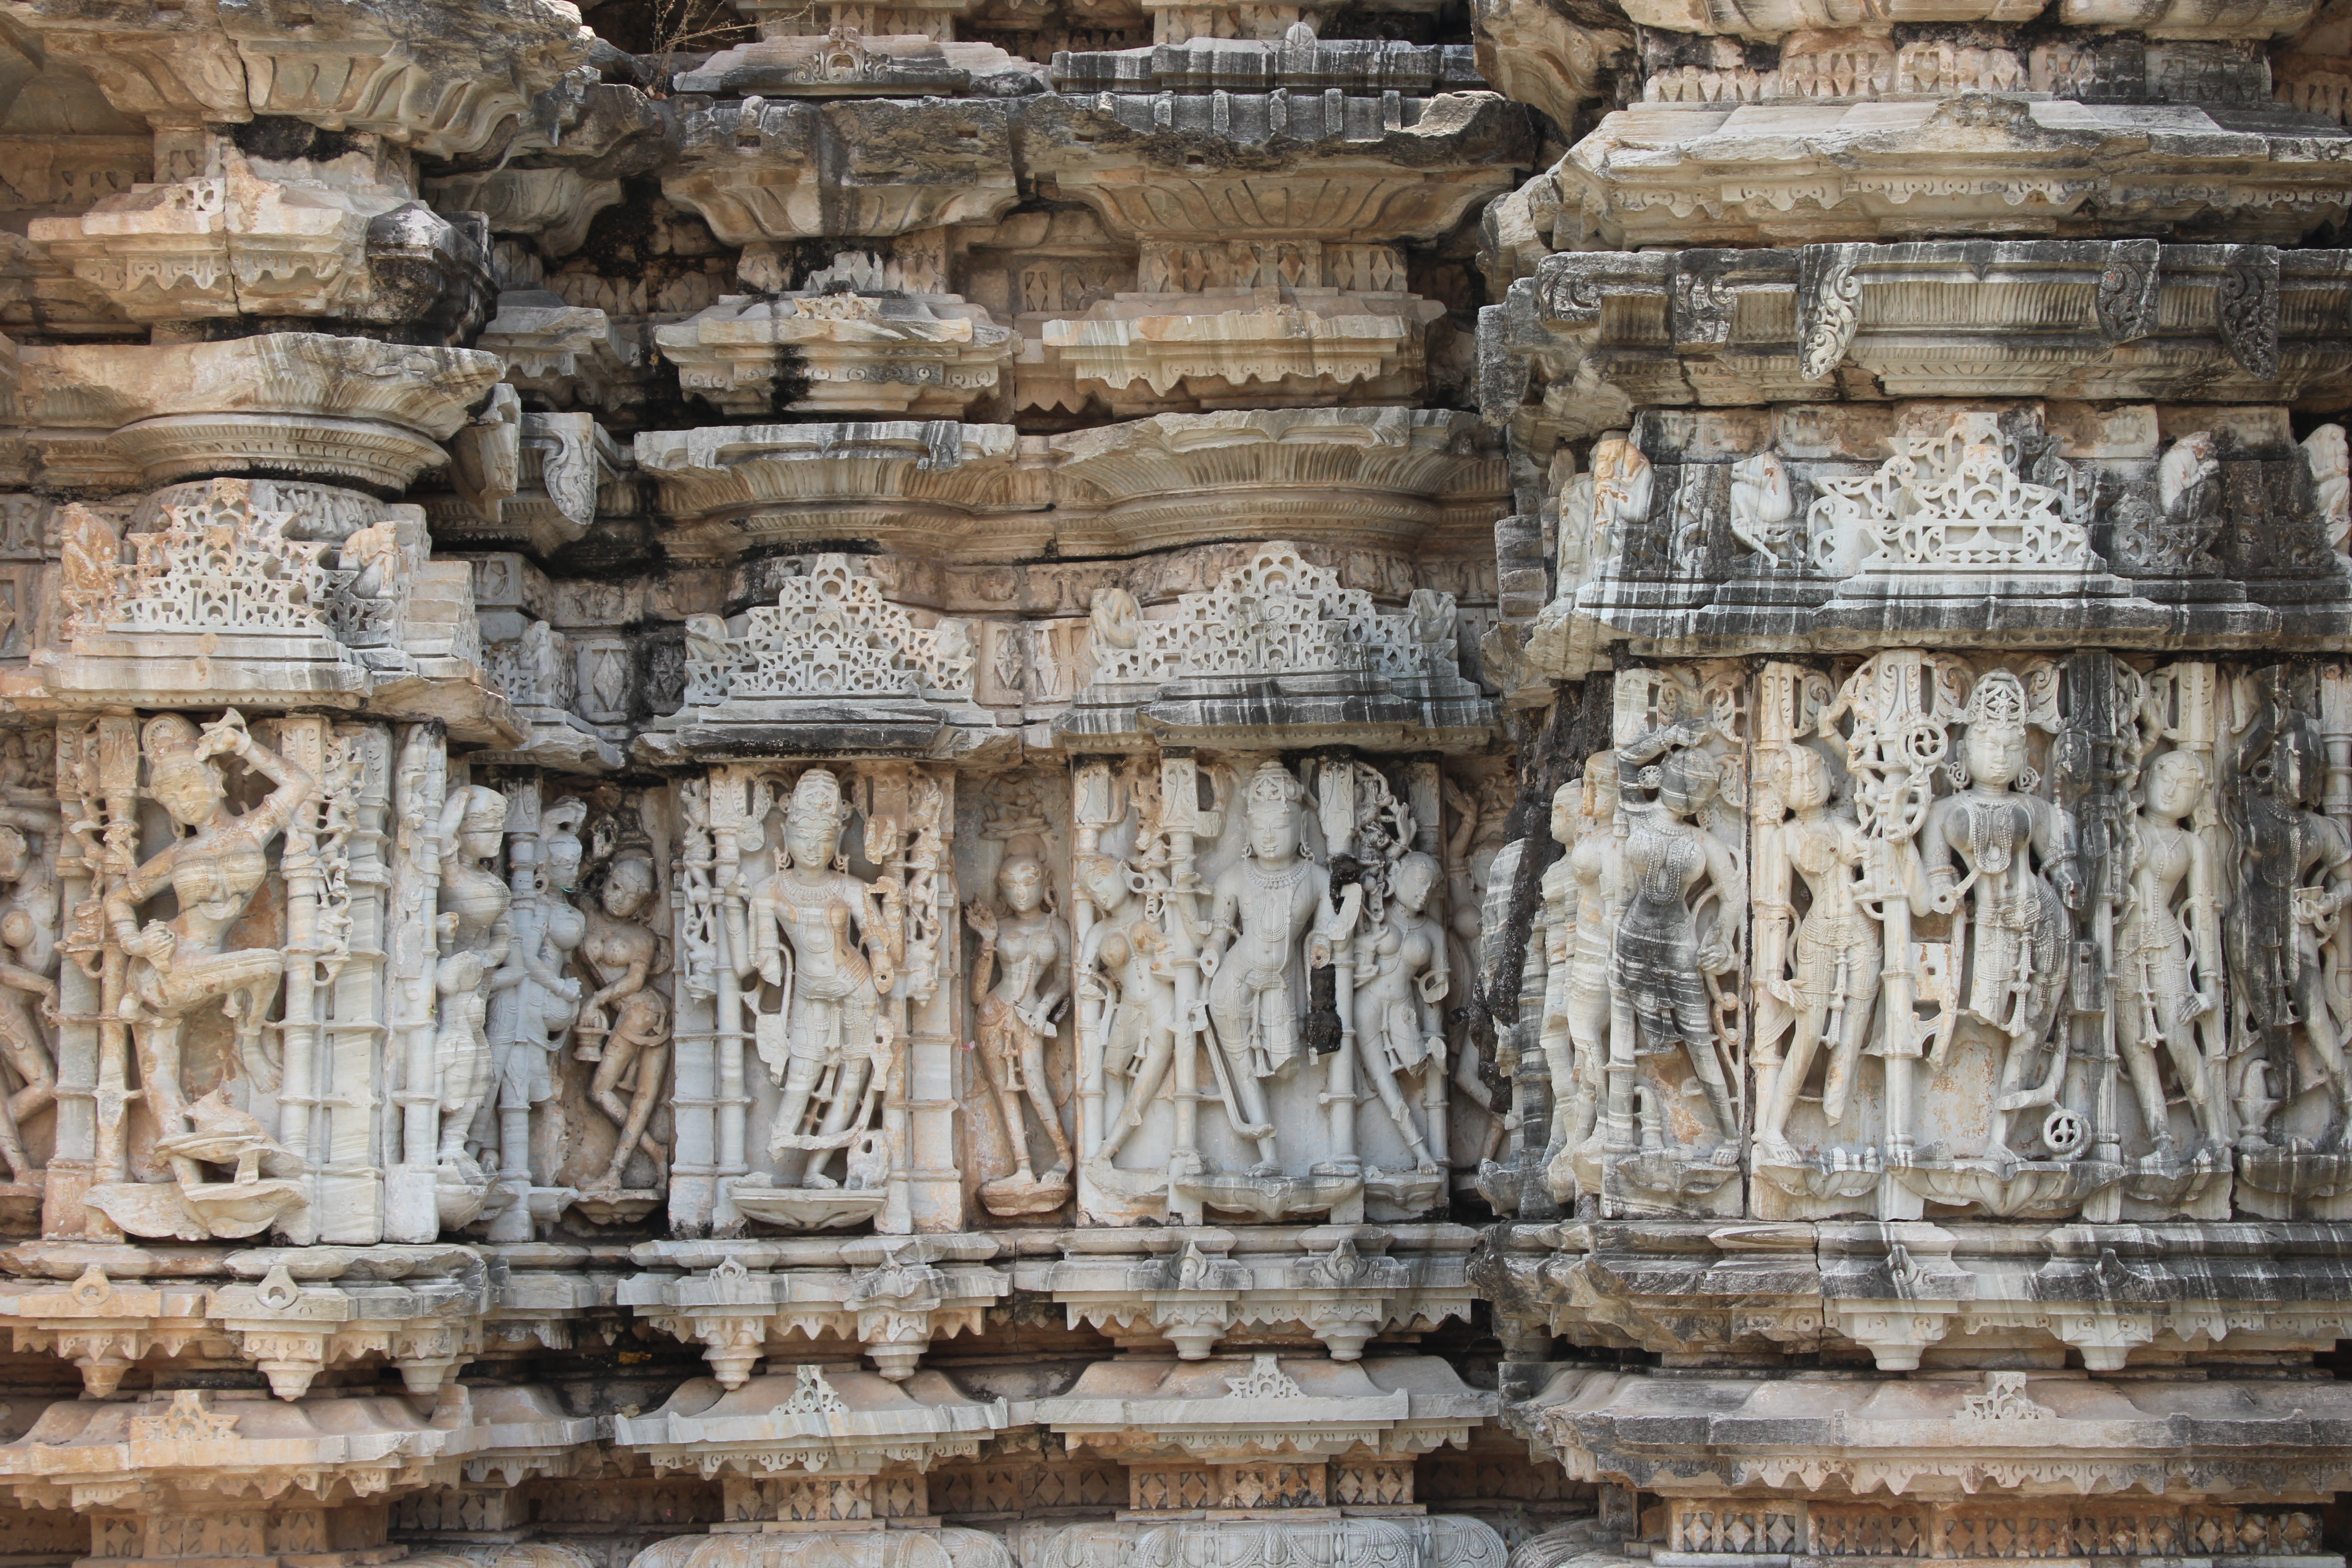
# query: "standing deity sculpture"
624,1025
824,946
184,963
1261,913
1829,983
1573,942
1471,845
1670,948
1019,980
2000,862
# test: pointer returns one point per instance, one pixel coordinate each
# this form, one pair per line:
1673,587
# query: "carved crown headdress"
1998,702
1272,784
170,742
817,794
486,810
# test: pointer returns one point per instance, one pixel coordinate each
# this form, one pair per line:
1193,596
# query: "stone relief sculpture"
2169,963
1000,898
1260,912
1581,905
624,1024
824,946
30,839
2000,862
1397,1001
476,935
1817,970
1019,982
1668,958
176,967
2285,962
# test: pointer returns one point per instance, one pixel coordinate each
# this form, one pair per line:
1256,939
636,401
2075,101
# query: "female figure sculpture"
1673,866
1017,983
1123,966
28,932
213,872
1832,986
620,954
1582,893
2167,953
2017,875
2298,879
1398,1026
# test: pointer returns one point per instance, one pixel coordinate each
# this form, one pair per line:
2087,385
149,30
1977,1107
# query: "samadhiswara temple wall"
1175,784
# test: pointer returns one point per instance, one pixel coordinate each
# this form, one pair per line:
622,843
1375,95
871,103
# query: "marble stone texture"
1174,783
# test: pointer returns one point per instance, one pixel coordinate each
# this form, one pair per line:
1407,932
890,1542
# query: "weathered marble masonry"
1172,783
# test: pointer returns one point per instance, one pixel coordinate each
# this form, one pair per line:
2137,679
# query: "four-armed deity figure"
2008,895
820,1031
1263,908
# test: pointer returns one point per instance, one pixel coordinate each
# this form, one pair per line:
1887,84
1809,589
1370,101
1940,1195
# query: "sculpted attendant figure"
824,1035
1582,897
551,996
1262,910
1399,1026
2298,880
1018,982
2169,953
1832,989
620,953
1123,966
29,988
213,872
1673,866
2016,874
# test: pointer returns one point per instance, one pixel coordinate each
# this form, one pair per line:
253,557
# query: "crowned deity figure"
825,946
2008,894
181,964
1262,911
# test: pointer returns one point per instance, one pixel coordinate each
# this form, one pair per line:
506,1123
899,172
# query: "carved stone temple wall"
1175,784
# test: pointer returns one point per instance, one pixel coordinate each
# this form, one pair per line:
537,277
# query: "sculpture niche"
1019,980
822,946
173,970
